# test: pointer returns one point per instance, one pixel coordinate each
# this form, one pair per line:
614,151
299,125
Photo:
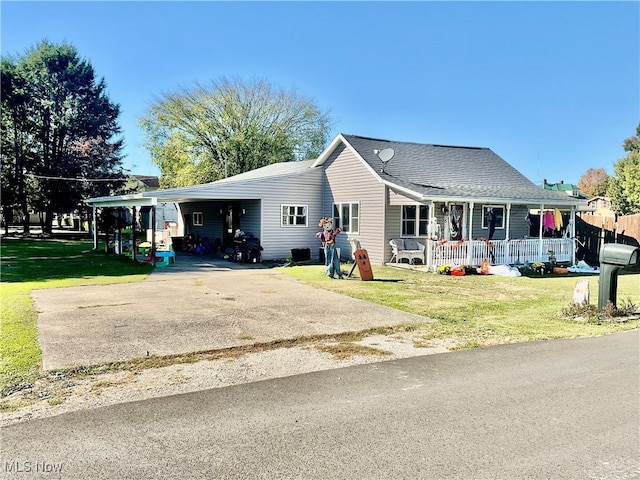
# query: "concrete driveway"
198,304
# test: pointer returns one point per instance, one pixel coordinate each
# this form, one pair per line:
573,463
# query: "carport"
129,202
275,204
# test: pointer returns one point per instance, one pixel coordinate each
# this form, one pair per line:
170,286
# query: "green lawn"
478,310
28,264
472,310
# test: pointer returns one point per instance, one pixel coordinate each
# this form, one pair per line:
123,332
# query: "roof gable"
432,171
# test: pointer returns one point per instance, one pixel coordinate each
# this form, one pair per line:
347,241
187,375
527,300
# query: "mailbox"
613,258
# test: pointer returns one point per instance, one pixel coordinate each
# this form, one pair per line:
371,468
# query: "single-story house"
377,190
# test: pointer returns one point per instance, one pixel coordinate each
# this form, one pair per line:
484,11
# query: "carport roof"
225,188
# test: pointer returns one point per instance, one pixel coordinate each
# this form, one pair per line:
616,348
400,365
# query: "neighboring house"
141,183
600,206
568,188
437,194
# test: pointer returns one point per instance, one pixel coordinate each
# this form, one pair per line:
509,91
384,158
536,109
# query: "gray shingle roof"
272,170
450,172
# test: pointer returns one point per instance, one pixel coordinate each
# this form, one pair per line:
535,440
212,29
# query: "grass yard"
29,264
479,310
471,310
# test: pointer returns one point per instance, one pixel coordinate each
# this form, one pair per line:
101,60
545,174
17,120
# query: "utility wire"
73,179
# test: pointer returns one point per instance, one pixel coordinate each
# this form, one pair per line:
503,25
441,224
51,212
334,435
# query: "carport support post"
119,243
95,229
133,235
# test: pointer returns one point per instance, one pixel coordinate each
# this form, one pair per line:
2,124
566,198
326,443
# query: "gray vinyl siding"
211,219
393,228
519,227
347,180
250,220
262,200
303,190
478,231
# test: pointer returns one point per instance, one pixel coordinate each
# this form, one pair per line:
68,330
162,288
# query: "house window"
498,211
408,220
197,219
294,215
423,221
347,217
415,216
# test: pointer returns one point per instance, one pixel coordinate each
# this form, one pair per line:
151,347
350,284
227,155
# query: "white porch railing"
474,252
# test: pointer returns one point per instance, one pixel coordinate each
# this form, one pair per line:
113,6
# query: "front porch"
498,252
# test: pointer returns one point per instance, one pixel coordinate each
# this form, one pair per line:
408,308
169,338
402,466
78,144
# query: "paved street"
565,409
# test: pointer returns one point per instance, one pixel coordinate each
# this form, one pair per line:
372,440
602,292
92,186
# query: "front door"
231,223
456,221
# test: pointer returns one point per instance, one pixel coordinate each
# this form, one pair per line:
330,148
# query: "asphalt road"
565,409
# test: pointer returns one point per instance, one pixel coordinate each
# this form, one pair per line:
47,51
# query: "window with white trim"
294,216
198,220
409,220
498,211
347,217
415,218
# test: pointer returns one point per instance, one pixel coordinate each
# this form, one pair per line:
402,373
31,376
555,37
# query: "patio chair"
355,245
406,248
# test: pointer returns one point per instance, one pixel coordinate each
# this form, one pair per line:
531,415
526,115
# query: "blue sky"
551,87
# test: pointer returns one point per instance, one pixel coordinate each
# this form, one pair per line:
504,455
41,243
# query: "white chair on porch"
406,248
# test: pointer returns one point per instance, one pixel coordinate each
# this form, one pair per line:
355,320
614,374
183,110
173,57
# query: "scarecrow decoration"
328,238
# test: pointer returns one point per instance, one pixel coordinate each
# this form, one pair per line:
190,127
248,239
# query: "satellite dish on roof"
384,156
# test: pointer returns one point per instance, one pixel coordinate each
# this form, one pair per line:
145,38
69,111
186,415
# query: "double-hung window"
415,220
294,215
347,217
498,211
198,220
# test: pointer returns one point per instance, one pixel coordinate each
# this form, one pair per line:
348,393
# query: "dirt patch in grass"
343,351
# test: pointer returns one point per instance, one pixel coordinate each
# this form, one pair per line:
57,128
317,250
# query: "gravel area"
59,394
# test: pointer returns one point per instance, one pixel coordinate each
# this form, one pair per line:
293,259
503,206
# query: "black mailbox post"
613,258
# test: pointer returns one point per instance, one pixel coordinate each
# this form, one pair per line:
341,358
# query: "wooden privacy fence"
594,230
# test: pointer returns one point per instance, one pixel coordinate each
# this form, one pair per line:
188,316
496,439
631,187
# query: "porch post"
540,237
507,235
95,229
572,232
428,243
469,249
